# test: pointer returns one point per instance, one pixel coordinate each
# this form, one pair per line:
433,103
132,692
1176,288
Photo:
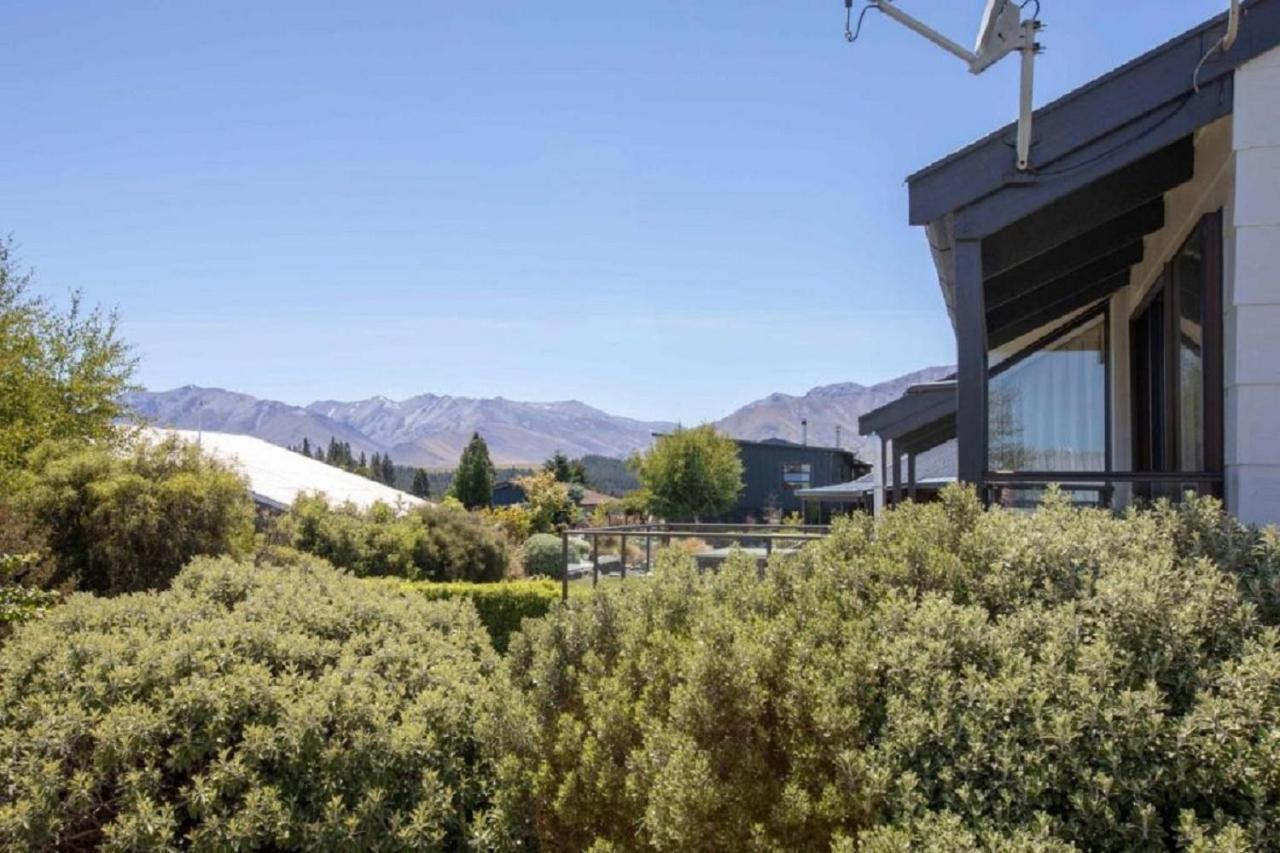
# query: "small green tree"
566,470
548,501
473,482
691,474
62,373
421,487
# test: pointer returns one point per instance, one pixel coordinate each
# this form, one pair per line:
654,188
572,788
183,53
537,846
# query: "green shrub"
251,708
502,607
543,554
425,543
944,678
20,603
126,521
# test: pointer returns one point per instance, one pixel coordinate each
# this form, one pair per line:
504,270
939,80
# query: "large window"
1176,358
1048,406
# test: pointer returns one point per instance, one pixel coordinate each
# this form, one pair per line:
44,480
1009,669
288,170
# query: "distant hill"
216,410
430,430
825,407
425,431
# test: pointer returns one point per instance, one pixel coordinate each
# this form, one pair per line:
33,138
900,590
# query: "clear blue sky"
662,208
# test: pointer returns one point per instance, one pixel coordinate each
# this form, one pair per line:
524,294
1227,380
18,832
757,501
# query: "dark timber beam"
907,412
1102,108
929,437
1088,247
971,362
1002,311
1072,302
1081,211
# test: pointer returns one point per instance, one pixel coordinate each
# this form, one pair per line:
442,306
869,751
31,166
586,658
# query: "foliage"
691,474
19,603
502,607
473,481
514,521
608,475
424,543
421,487
124,521
548,502
62,373
566,470
251,708
543,556
944,678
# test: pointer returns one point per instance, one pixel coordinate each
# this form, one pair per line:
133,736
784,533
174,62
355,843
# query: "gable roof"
1155,91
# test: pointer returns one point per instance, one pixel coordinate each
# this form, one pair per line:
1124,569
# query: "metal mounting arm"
1003,32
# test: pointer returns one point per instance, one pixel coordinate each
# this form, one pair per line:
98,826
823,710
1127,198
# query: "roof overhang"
1066,234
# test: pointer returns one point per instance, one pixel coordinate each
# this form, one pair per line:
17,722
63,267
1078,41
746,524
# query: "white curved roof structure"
277,475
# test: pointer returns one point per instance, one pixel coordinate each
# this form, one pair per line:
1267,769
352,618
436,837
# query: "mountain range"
430,430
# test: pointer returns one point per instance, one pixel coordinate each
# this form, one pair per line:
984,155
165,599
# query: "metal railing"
727,534
1170,484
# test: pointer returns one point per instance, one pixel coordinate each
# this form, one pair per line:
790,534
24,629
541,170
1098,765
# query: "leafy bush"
63,371
425,543
19,603
251,708
502,607
943,678
125,521
543,555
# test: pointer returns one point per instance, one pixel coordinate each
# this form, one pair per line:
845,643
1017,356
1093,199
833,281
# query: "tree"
388,473
548,501
473,482
124,522
62,373
565,470
306,447
421,484
691,474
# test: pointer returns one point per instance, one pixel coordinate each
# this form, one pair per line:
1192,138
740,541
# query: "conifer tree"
473,482
306,447
421,484
388,470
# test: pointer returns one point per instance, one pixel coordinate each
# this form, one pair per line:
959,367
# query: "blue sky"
665,209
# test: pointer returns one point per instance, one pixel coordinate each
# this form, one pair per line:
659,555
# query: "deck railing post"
648,550
564,564
622,555
595,559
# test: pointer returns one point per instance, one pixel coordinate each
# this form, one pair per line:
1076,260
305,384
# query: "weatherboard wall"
1252,296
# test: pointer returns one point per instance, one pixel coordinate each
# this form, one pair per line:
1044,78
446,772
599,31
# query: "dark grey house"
1116,306
774,470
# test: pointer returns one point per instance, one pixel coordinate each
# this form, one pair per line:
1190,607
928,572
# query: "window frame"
1088,315
1208,231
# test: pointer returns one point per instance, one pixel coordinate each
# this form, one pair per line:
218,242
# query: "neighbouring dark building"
774,470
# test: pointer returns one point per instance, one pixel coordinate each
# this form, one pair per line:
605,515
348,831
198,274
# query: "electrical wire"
1102,155
850,33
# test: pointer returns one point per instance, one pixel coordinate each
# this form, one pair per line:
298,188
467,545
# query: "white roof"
278,475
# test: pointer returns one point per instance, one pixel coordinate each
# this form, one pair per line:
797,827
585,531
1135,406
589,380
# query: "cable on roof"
1102,155
1223,44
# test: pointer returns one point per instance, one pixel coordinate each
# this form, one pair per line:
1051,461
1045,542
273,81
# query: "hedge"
502,607
426,542
942,678
252,708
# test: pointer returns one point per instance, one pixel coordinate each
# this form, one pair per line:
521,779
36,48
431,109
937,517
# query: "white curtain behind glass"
1048,411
